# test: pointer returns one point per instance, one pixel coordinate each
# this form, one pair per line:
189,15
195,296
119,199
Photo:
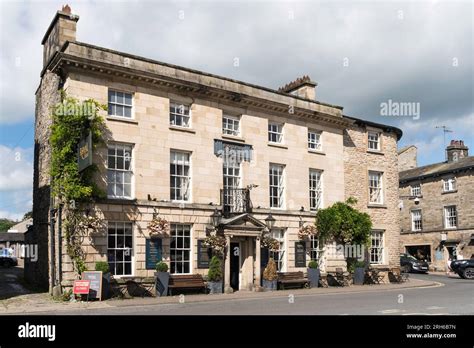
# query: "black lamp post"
270,221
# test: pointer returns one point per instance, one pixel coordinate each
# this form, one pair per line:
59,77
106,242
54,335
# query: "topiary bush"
161,267
102,266
313,264
270,272
215,270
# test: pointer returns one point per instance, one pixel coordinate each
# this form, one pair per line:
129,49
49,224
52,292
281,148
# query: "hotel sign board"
84,152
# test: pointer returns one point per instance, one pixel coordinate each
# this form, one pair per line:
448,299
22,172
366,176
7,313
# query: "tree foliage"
344,224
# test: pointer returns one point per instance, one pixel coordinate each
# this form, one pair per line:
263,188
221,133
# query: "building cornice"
63,62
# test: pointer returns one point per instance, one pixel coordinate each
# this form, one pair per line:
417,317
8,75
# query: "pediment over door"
244,224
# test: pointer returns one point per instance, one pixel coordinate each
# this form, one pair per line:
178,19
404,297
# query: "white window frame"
315,252
231,125
132,249
315,189
182,179
376,186
373,137
449,184
416,220
377,253
124,106
416,190
277,173
180,111
448,214
275,130
315,140
173,229
280,235
126,148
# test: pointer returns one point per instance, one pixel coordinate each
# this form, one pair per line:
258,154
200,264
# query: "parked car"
464,268
7,259
409,263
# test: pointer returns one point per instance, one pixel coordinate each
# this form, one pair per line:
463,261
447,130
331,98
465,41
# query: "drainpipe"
52,281
60,243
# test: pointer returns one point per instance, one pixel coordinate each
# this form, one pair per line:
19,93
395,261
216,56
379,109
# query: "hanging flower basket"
307,231
271,243
158,226
216,243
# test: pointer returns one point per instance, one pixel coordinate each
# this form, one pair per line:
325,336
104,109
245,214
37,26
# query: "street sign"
95,278
84,152
81,287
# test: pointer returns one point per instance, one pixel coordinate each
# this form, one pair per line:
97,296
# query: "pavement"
423,294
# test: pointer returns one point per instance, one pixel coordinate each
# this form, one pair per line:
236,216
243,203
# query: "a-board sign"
95,278
81,287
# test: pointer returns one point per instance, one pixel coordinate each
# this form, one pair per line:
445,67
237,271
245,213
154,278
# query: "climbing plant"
74,190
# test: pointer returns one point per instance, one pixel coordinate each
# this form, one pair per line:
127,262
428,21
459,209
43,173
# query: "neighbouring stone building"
171,132
437,208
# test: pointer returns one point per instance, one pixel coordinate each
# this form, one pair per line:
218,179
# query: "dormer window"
449,184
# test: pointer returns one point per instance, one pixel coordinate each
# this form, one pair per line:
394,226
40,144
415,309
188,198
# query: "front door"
234,265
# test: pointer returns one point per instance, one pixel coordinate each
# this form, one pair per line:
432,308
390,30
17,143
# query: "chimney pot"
66,9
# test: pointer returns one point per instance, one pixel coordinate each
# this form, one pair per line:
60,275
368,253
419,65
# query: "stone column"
227,287
257,264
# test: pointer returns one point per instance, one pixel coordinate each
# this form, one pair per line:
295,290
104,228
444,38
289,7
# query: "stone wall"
432,203
358,160
47,96
407,158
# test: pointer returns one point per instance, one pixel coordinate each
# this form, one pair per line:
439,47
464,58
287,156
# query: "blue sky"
361,54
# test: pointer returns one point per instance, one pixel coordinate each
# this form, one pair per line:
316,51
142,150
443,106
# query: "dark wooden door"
234,265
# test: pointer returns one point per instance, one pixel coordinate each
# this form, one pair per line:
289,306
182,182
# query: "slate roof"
435,169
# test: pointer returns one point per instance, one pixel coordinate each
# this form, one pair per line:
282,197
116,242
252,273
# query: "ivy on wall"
74,190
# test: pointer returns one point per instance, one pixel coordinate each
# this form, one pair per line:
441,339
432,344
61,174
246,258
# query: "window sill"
233,137
374,205
317,152
281,146
376,152
447,192
121,119
182,129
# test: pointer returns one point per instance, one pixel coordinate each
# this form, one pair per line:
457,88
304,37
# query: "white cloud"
16,172
405,59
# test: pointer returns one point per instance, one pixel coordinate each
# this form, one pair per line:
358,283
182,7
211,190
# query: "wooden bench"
187,281
292,279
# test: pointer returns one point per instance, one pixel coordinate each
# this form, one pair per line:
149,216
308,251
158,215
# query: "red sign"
81,287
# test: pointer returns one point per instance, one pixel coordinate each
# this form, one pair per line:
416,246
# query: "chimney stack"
61,29
302,87
456,150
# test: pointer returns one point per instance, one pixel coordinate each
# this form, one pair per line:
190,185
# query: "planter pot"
359,274
269,285
313,277
215,287
106,285
162,280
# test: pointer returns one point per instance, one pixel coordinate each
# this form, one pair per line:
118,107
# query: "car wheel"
468,273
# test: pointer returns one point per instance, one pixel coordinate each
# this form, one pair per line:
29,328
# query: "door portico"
243,235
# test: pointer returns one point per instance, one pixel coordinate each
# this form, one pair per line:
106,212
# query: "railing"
235,201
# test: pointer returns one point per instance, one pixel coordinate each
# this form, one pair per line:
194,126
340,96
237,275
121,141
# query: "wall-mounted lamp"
270,221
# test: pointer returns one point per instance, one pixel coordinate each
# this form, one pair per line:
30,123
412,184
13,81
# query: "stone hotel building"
171,130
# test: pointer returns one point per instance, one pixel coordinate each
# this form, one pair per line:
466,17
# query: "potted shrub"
270,276
162,279
214,276
103,266
358,270
313,274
